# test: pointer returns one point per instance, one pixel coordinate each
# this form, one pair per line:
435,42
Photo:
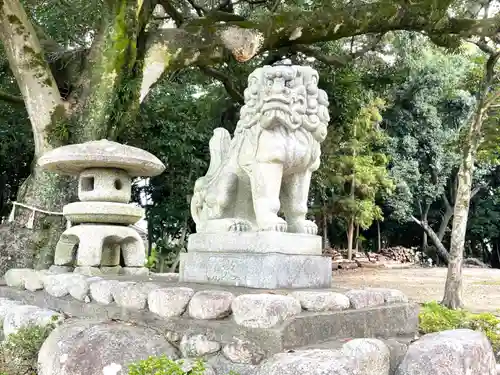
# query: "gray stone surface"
35,281
59,285
25,315
391,295
188,364
136,271
264,310
270,271
224,366
97,348
100,291
460,351
80,288
321,300
88,271
361,299
132,295
6,306
169,302
210,304
60,269
304,329
197,346
244,352
256,242
167,276
16,277
74,159
360,357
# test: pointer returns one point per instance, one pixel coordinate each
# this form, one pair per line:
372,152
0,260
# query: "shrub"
19,352
166,366
434,318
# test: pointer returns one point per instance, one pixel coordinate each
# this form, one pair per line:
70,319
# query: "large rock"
244,352
363,298
97,348
59,285
6,306
197,346
101,291
16,277
391,295
457,352
169,302
210,304
80,289
132,295
26,315
321,301
264,310
359,356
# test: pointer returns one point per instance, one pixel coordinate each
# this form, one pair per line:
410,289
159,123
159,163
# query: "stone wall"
107,323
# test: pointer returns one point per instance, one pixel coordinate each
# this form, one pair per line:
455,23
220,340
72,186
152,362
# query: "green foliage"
19,352
152,259
165,366
435,318
424,120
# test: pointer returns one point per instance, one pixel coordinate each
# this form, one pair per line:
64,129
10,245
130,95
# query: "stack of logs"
392,257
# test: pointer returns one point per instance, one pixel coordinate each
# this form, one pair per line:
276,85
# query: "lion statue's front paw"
274,225
302,226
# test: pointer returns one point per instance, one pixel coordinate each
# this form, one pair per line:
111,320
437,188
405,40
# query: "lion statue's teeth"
270,160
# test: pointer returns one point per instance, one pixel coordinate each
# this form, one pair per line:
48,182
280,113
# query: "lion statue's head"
285,95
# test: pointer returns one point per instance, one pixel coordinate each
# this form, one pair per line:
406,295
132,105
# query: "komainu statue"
267,165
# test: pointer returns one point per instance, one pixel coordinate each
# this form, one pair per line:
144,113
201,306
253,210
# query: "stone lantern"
102,234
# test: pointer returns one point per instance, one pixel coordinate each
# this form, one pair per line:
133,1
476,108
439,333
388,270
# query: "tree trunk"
326,242
486,96
445,219
443,253
100,108
379,240
350,239
357,238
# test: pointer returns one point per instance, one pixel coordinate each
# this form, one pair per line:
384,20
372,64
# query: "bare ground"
481,286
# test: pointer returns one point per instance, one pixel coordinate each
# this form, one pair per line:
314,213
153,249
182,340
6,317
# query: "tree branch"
235,94
433,236
172,12
33,75
6,97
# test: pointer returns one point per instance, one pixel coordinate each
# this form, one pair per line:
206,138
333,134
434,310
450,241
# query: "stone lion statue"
267,166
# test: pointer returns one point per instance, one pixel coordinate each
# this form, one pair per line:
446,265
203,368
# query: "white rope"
31,220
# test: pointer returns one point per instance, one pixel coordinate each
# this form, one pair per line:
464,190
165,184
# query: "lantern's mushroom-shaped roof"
73,159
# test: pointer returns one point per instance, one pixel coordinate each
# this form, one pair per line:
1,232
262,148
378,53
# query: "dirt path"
481,286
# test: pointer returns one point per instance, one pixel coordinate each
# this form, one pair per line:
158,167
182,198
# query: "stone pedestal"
263,260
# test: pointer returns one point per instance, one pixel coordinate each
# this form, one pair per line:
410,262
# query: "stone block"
362,298
197,346
169,302
100,291
321,300
210,304
264,310
243,352
391,295
132,295
257,270
255,242
16,277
